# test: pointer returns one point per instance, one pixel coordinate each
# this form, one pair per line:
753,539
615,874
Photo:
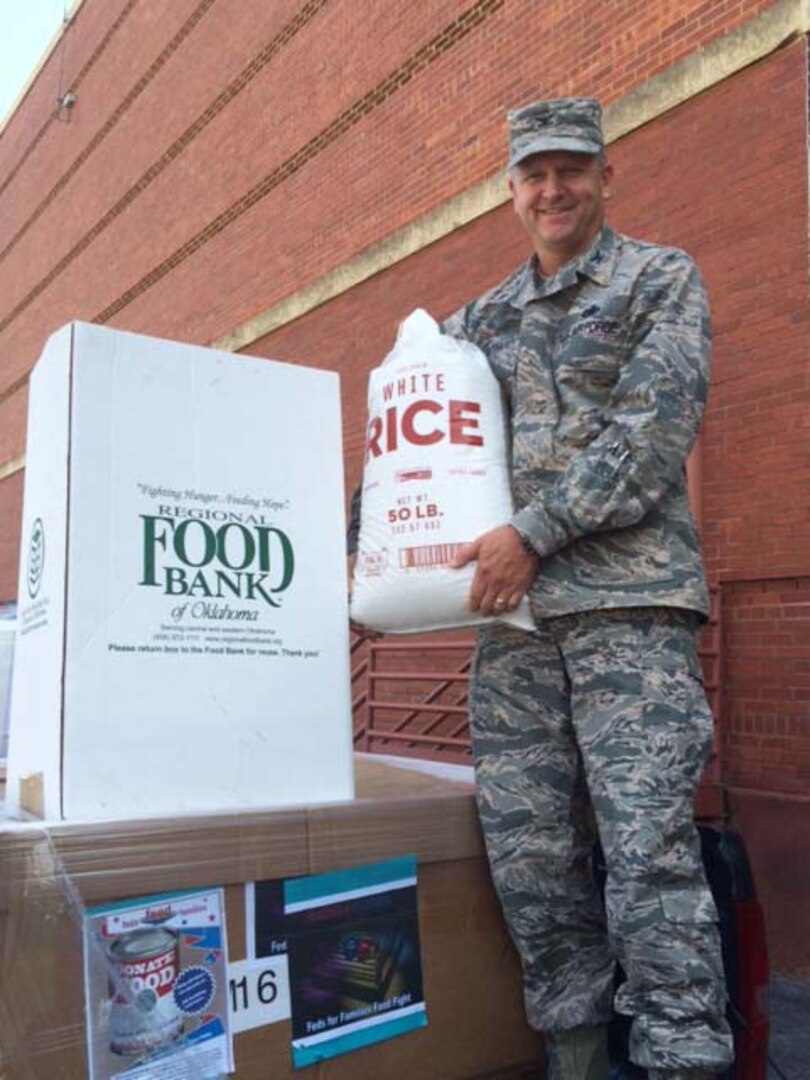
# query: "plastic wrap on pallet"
53,874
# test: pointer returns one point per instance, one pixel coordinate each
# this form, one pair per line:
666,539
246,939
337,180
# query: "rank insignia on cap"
573,124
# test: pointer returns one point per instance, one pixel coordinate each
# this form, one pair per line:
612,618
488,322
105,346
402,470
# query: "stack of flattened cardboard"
50,873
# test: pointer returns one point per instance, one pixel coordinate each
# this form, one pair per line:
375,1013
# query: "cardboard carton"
182,632
476,1023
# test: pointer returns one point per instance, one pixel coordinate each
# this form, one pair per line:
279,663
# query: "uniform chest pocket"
590,374
591,352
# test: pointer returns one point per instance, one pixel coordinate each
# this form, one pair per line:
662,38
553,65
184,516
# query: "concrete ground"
790,1037
790,1030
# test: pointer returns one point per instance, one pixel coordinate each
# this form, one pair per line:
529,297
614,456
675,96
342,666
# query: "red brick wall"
221,155
12,491
674,183
183,193
218,159
767,638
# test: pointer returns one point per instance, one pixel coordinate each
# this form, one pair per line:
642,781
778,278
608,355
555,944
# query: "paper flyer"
266,922
259,984
354,959
156,988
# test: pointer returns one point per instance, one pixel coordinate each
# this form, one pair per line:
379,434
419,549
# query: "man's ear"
607,180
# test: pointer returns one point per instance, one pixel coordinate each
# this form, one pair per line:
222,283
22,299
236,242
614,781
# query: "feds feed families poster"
354,958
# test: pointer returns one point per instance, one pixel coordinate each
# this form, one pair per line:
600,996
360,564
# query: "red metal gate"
410,699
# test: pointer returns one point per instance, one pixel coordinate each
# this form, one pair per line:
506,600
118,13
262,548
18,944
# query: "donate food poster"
156,988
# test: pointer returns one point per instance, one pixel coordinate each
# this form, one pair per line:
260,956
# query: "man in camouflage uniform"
601,345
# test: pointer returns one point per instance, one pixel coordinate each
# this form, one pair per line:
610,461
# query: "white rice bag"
436,477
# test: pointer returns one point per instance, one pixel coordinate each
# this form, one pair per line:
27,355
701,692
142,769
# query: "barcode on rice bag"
428,555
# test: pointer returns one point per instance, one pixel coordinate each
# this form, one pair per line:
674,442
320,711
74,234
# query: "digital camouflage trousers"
598,722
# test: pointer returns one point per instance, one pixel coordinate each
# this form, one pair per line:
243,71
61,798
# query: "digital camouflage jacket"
605,369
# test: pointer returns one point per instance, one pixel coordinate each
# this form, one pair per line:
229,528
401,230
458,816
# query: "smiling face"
559,197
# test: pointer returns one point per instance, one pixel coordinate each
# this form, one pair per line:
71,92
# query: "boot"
578,1054
679,1074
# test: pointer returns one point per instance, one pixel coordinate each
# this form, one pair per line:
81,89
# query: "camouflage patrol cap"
564,124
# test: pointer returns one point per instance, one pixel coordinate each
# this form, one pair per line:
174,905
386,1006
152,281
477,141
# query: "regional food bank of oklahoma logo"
36,557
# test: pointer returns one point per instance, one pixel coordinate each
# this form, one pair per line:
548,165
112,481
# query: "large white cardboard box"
183,627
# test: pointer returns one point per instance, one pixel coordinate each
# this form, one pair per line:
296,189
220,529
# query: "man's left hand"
504,570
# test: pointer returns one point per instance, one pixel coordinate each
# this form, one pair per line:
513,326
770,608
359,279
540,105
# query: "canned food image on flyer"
143,970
